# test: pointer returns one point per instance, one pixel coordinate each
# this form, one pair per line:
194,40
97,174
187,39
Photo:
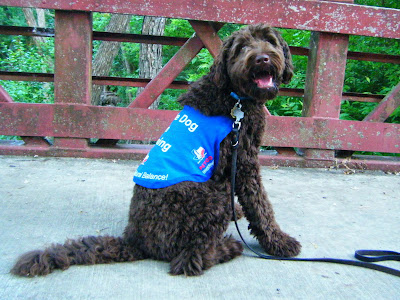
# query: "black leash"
365,256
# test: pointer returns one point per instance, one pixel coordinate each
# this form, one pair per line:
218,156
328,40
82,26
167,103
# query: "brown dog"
185,223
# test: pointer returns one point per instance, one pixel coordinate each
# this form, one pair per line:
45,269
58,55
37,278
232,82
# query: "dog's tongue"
264,82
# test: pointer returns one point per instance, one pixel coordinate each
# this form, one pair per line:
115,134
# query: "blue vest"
187,151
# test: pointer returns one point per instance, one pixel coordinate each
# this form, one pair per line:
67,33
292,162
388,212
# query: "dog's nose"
262,59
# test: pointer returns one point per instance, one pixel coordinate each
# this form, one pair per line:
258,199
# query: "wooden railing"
72,120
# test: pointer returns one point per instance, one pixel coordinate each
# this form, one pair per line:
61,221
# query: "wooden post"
324,83
73,64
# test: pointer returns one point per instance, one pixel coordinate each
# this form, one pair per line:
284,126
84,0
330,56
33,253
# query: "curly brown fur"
185,223
84,251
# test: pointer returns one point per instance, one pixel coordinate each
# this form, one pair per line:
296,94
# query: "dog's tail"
84,251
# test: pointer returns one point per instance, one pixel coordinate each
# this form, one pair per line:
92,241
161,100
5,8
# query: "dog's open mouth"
264,81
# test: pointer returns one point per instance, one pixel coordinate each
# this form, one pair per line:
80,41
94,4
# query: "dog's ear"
288,71
219,71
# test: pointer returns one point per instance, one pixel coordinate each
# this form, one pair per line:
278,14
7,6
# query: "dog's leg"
188,262
226,250
196,255
258,211
192,263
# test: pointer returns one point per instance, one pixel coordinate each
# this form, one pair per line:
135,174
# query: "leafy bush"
23,57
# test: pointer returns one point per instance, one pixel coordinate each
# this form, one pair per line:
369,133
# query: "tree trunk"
150,59
107,52
128,71
39,41
41,20
31,21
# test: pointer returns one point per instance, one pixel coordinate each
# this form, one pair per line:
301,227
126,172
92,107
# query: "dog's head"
253,62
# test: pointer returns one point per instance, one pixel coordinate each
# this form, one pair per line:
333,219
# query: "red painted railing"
72,120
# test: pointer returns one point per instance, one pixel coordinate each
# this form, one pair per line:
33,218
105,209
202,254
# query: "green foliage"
20,56
168,100
12,16
29,92
178,28
285,106
292,106
355,110
199,66
370,77
381,3
100,21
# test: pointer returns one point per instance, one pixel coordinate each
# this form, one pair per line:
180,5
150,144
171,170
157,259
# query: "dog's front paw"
281,245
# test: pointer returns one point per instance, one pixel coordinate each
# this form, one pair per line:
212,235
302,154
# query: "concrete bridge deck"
46,200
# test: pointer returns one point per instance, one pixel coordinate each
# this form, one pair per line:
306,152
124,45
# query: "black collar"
239,98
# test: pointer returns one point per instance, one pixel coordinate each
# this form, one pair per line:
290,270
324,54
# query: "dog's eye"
239,49
272,41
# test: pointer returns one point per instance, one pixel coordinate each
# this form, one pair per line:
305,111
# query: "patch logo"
199,154
207,164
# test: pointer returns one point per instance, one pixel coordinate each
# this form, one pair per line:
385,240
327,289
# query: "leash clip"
237,114
236,111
